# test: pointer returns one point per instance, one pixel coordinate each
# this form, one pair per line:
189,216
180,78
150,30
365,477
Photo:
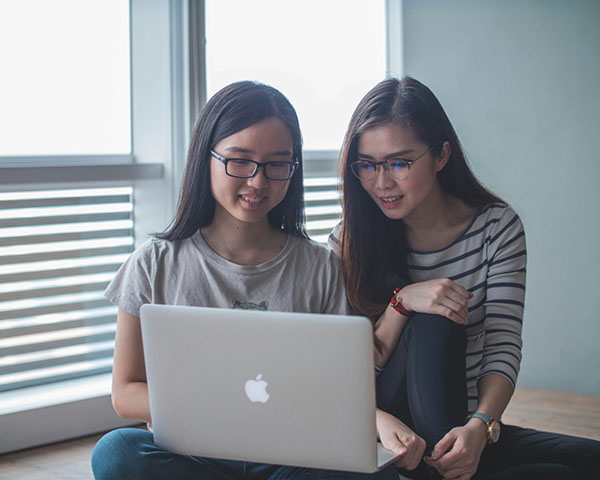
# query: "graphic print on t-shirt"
263,306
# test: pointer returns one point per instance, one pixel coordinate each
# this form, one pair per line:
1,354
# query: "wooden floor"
561,412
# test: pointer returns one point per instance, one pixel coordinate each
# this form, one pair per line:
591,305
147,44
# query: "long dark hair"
374,247
234,108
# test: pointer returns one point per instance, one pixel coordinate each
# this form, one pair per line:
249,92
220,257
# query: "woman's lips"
391,201
252,201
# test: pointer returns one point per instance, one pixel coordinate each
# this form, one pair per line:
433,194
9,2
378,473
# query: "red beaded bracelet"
397,305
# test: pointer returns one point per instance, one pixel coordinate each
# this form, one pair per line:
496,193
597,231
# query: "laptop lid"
268,387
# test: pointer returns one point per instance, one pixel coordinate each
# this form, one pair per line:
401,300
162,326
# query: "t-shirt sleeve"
336,301
334,240
132,285
507,259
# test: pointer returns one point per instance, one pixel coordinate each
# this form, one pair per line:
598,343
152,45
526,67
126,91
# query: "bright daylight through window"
68,88
67,94
323,55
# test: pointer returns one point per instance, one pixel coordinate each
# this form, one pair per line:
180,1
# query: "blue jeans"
424,385
130,453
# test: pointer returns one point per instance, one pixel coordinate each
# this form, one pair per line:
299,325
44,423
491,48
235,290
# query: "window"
68,96
87,171
323,56
68,88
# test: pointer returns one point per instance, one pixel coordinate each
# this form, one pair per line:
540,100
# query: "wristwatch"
493,426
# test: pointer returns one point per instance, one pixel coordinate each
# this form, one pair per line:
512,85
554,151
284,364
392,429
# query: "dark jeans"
424,385
130,453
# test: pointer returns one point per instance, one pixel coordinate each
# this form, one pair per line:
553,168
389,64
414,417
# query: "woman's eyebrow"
389,155
234,149
238,150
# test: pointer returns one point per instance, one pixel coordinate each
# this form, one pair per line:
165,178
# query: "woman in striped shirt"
417,223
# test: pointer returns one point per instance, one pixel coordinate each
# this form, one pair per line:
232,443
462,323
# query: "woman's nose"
382,179
259,179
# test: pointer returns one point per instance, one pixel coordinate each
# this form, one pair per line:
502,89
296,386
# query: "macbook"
269,387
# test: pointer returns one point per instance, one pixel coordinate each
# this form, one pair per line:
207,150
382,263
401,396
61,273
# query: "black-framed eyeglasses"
243,168
395,167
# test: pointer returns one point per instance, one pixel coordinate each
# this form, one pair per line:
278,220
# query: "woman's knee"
435,326
118,452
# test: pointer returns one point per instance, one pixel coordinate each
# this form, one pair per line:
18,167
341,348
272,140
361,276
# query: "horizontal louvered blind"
58,251
323,209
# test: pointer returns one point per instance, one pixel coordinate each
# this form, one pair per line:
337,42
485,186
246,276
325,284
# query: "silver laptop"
269,387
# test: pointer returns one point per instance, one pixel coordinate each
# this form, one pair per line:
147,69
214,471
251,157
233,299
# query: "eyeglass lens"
367,170
247,168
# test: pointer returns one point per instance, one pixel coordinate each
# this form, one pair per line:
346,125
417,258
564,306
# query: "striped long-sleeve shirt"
489,260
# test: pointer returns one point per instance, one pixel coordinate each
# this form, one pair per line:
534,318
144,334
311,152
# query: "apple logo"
256,390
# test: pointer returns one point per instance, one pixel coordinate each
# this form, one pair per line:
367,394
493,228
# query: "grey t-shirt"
304,277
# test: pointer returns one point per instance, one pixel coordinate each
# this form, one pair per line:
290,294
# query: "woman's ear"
442,160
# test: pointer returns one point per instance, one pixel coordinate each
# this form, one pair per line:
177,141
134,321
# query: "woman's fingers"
458,297
415,446
460,290
393,443
455,311
441,296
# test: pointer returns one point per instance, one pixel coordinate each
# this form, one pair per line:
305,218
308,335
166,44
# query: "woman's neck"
438,223
243,243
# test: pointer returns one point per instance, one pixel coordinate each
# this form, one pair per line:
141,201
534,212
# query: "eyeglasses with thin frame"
397,168
244,168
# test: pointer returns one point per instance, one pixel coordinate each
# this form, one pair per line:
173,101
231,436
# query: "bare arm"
129,387
495,391
387,332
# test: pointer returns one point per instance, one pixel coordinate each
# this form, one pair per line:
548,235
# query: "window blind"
58,251
322,203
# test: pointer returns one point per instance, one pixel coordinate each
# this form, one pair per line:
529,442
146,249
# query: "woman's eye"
239,161
398,164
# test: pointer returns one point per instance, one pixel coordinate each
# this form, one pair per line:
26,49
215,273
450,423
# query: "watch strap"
482,416
491,424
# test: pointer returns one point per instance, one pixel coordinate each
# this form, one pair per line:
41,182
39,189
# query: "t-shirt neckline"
200,243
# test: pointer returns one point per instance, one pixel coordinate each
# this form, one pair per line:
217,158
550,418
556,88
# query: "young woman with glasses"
438,262
237,241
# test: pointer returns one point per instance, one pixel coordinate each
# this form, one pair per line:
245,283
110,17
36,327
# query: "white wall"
520,80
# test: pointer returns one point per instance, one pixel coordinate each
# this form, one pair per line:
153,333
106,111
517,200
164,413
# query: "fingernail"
400,450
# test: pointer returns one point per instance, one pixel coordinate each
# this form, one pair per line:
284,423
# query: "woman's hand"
457,454
440,296
400,439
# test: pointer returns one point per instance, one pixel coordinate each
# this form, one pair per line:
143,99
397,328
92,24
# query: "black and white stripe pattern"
488,259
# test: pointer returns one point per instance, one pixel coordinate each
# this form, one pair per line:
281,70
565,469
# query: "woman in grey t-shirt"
237,241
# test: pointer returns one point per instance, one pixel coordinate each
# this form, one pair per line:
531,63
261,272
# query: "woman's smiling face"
251,199
399,199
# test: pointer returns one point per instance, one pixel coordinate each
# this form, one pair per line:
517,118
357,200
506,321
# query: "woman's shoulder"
499,227
495,217
154,249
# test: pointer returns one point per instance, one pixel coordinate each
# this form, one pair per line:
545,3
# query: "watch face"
494,432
